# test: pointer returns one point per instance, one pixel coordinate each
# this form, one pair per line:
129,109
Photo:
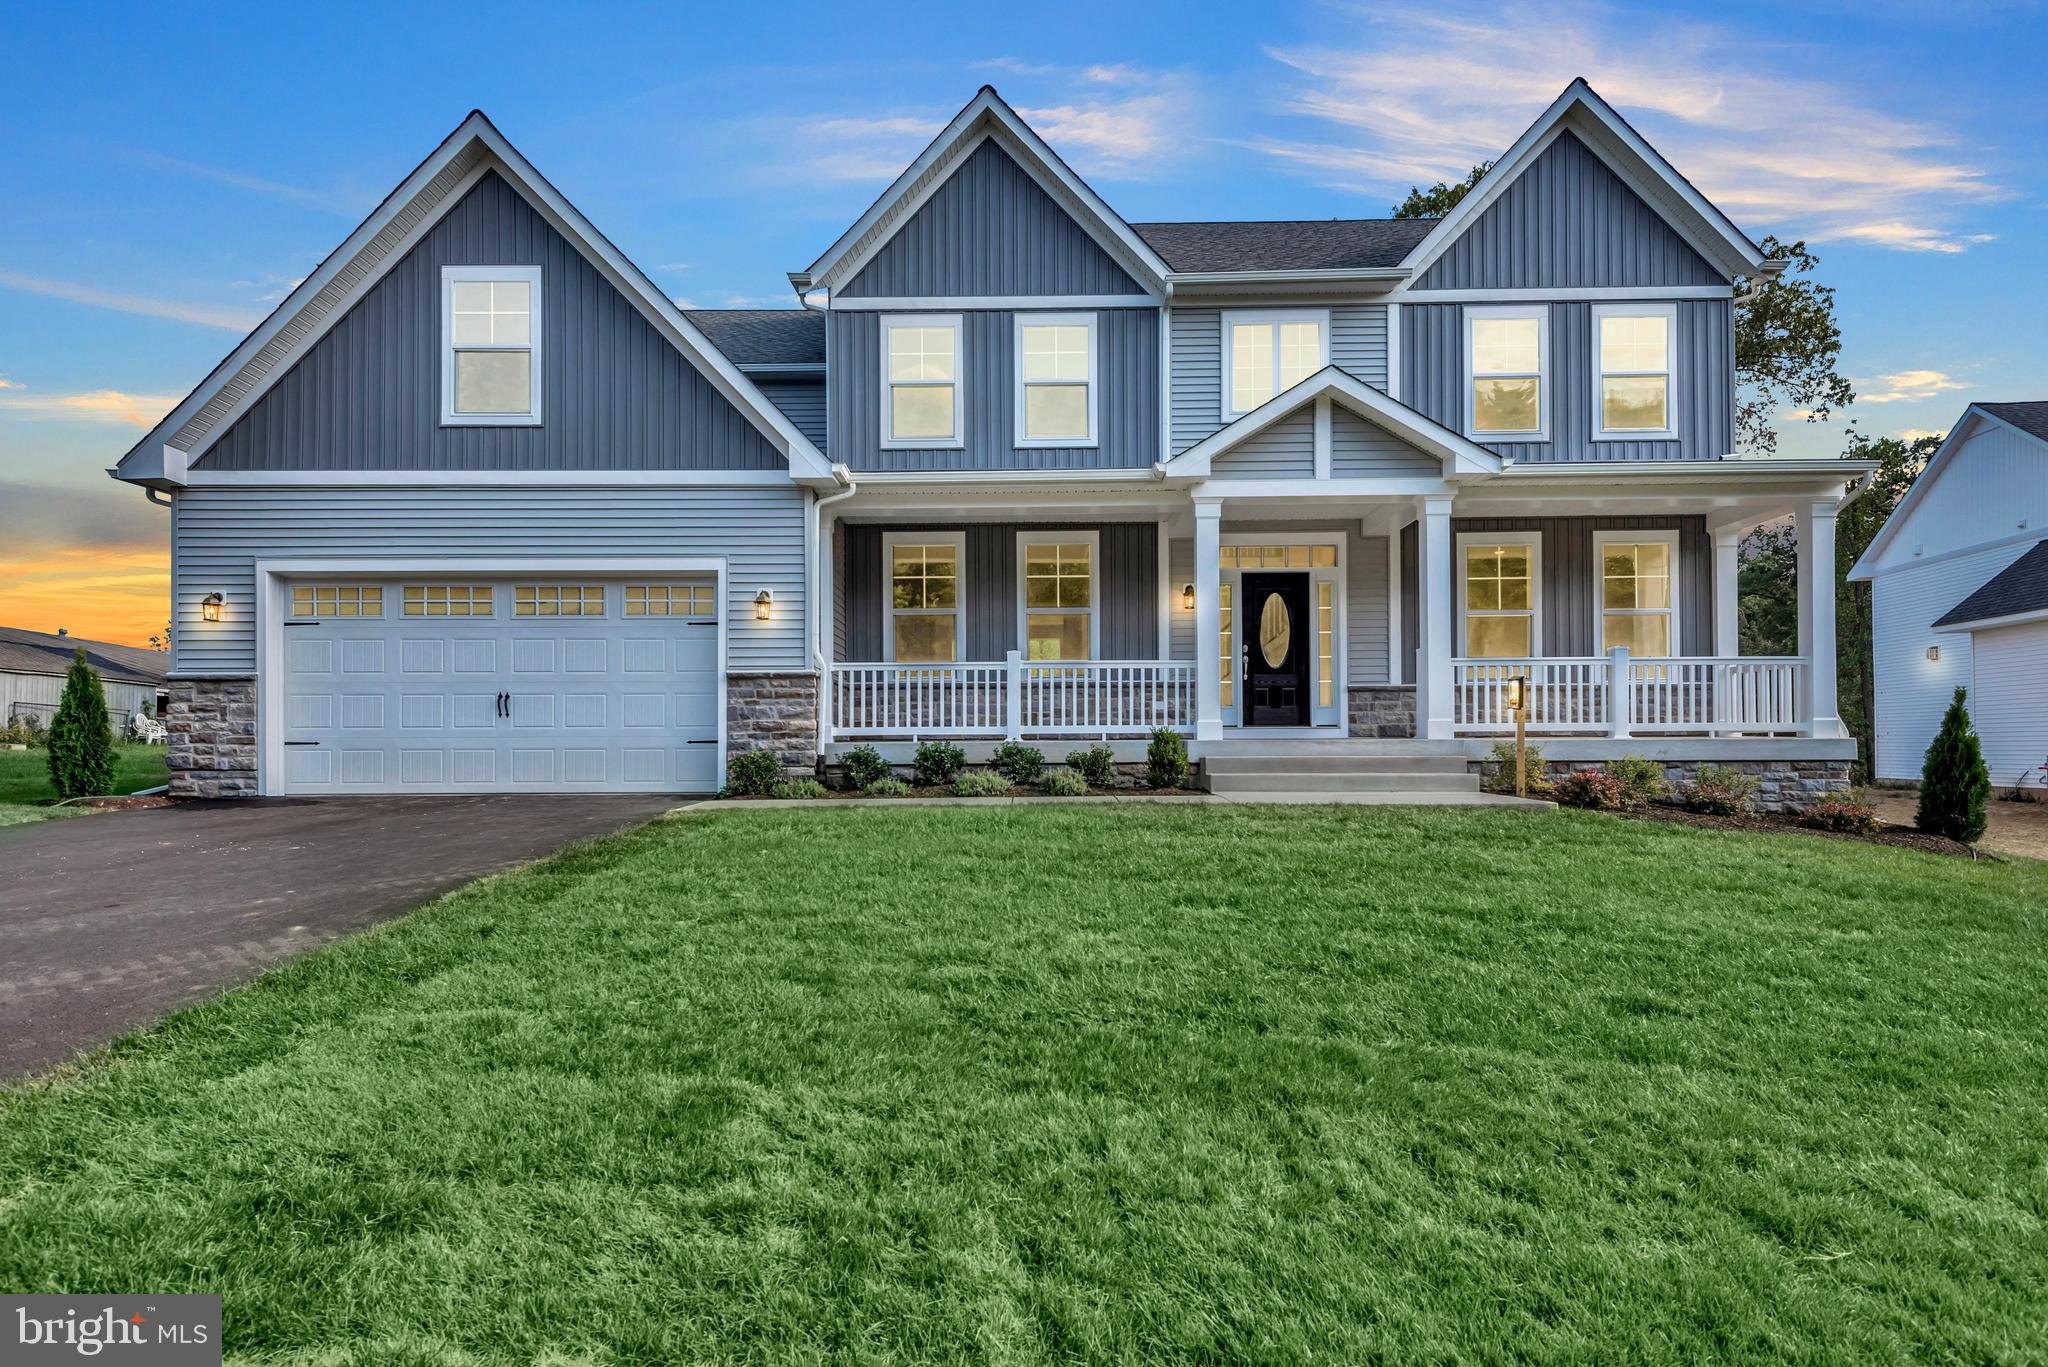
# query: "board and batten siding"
1568,222
1126,587
801,401
989,230
615,393
218,534
1434,380
1127,404
1358,344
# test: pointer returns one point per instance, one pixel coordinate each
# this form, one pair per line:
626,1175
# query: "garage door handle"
504,704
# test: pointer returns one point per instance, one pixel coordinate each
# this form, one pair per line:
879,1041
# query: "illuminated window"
1265,354
670,600
447,600
924,597
337,600
1636,603
558,600
1498,595
1058,577
1632,348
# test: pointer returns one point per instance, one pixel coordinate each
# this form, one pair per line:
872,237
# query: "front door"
1277,640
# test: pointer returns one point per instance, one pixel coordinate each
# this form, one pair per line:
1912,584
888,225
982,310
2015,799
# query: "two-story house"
479,508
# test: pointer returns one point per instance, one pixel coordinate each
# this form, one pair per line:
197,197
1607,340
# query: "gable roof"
39,652
983,117
2029,419
1286,244
764,337
1459,454
380,242
2021,587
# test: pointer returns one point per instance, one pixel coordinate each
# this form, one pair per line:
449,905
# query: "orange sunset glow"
116,593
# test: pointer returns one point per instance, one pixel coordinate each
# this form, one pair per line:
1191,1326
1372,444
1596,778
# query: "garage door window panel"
448,600
337,600
558,600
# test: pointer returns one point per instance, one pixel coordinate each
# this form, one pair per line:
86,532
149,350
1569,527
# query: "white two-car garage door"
513,685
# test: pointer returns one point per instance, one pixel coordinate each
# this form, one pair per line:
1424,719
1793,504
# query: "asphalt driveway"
108,922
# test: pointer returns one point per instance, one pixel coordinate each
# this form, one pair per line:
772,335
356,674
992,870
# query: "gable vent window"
921,380
1632,346
490,346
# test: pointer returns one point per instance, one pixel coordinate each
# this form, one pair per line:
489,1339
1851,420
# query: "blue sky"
166,179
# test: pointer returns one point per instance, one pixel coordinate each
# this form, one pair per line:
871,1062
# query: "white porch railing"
1012,699
1694,696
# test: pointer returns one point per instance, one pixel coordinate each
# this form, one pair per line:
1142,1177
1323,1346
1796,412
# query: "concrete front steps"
1281,775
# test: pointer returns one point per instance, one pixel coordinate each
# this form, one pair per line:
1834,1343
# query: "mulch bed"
1775,823
123,804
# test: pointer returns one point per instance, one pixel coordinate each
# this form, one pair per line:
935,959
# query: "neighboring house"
1959,596
480,508
32,666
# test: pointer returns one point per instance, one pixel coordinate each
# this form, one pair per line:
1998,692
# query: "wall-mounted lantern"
764,606
1187,597
1934,652
209,607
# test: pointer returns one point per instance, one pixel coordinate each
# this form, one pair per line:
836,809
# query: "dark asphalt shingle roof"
1286,245
36,652
2021,586
2031,418
764,336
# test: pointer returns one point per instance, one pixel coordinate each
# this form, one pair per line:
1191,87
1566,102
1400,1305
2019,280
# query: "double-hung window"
1499,595
921,380
1057,571
1633,346
1637,608
1267,353
490,346
1507,356
922,574
1055,398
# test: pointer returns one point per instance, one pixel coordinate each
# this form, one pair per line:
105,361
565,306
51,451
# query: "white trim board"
989,303
204,478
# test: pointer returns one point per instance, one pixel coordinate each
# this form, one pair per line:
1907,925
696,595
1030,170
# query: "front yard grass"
25,778
1077,1084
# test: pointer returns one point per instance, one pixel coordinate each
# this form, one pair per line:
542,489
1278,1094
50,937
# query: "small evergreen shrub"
863,767
937,763
982,783
797,789
1953,780
752,774
1497,774
23,729
81,739
889,787
1719,791
1096,765
1063,783
1642,780
1017,762
1166,760
1594,789
1841,813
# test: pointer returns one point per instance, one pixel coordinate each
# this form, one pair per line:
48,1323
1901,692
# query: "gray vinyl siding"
1703,375
1180,625
217,535
1127,404
1359,450
1126,582
1568,222
990,231
1286,450
1411,600
1365,592
1358,344
615,393
801,401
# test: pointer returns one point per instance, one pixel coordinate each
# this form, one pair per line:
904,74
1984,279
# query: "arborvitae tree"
1954,782
81,738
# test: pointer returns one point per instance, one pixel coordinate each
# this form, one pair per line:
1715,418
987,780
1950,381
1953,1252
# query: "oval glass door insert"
1276,629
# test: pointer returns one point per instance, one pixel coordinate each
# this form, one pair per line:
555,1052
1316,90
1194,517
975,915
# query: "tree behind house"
81,753
1954,782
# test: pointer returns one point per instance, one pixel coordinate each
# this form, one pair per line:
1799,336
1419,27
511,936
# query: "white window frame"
1021,385
1669,432
889,441
1601,541
1541,313
1336,717
958,541
1093,540
1534,541
1234,319
450,276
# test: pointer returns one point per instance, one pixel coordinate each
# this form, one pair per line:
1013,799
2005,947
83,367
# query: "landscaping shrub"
1166,759
982,783
1497,775
797,789
937,763
753,773
25,729
889,787
1594,789
1719,790
1018,762
1642,780
1842,813
863,767
1953,781
1063,783
82,739
1096,765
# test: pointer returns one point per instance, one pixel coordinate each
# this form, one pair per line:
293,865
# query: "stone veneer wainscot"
211,745
776,712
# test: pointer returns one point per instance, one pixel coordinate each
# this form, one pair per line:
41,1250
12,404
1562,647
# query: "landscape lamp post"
1518,699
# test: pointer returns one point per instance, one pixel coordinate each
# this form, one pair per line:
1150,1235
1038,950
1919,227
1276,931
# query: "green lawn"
25,777
1041,1084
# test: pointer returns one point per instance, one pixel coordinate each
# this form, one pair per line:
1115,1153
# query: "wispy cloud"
6,383
229,319
99,405
1425,94
339,202
1904,385
1916,433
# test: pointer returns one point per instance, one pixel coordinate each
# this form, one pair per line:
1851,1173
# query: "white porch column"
1727,591
1815,527
1208,620
1433,619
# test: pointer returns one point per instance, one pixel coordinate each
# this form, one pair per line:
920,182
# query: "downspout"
820,610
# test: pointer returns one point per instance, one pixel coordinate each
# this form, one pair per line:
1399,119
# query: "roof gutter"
1374,275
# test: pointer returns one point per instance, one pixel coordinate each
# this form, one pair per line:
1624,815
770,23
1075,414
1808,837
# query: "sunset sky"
165,180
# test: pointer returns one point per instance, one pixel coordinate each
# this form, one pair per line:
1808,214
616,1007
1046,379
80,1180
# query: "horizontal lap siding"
1358,342
615,393
1366,608
1571,576
1286,450
219,534
1359,450
1358,345
1180,569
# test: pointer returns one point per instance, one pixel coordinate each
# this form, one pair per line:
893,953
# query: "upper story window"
1500,595
921,380
1507,356
1266,353
1632,349
1055,379
490,346
925,622
1058,575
